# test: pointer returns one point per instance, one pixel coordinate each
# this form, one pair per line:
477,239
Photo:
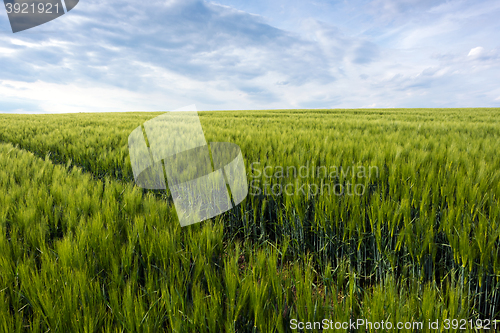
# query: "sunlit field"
382,215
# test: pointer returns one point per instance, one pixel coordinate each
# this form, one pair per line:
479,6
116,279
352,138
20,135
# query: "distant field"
383,215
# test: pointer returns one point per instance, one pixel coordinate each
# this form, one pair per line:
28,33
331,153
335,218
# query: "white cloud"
113,57
83,97
476,52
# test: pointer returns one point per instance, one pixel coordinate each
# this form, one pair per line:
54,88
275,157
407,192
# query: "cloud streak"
125,56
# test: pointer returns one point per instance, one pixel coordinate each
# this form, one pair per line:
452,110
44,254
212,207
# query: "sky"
121,55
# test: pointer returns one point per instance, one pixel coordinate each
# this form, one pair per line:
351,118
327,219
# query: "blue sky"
234,54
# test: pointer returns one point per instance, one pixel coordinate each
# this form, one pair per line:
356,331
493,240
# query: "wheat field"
389,215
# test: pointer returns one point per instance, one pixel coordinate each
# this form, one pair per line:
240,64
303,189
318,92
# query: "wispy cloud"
122,56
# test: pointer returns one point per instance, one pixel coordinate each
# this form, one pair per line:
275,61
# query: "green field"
383,215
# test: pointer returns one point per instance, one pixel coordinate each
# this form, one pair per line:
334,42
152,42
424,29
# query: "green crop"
84,249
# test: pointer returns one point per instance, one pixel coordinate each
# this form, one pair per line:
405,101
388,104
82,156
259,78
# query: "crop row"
79,254
431,207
